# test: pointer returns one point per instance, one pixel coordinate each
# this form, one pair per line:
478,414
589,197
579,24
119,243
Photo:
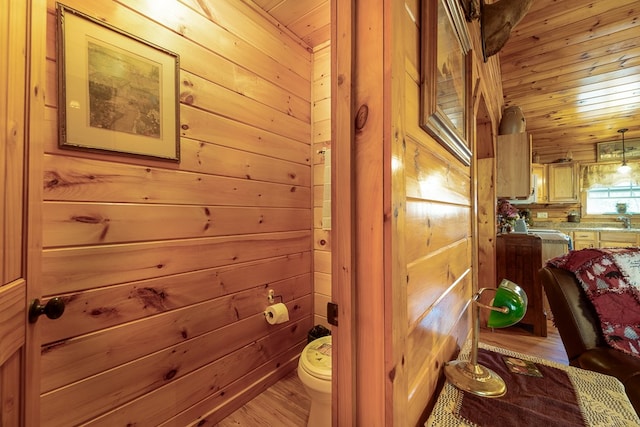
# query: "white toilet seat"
315,359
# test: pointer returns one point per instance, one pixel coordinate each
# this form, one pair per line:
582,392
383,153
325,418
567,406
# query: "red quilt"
611,279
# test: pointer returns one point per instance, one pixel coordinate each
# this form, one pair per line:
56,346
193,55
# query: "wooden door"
13,22
20,198
342,268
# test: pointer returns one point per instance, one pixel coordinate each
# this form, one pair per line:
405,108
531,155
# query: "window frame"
583,204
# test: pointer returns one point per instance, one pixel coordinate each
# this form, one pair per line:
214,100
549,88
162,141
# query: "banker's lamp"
507,308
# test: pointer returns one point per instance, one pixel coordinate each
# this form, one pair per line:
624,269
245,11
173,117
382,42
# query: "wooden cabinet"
563,182
539,171
617,239
518,258
604,239
513,166
585,239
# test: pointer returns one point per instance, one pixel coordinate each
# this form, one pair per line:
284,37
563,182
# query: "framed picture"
445,75
117,93
612,151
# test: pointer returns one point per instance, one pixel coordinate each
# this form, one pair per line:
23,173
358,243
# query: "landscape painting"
117,93
124,92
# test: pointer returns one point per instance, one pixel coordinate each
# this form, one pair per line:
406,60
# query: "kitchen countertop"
567,227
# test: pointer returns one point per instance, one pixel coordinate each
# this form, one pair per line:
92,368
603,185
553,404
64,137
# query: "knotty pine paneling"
436,230
165,266
201,355
433,327
83,268
310,20
108,306
78,223
321,129
249,23
429,277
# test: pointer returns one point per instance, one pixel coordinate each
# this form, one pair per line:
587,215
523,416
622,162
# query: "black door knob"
52,309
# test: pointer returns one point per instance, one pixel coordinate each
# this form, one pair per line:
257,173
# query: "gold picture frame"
612,150
117,93
445,76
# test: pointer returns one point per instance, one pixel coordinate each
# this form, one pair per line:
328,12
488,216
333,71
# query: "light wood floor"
286,404
518,339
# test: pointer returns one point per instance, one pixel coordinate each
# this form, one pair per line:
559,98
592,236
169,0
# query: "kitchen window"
607,192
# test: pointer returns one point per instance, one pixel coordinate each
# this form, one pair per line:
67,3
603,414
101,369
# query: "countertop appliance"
554,242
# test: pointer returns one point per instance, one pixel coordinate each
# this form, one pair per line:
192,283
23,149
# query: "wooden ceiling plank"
551,15
267,5
620,95
571,37
574,69
315,19
570,59
626,76
604,64
288,11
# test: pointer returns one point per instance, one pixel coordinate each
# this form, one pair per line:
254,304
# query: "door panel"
13,286
12,337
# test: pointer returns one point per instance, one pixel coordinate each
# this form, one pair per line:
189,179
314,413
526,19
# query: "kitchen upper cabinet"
513,165
539,171
563,182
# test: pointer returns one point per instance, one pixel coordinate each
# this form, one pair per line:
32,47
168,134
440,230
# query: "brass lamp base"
475,379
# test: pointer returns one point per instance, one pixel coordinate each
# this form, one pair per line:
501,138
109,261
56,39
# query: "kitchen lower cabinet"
518,258
585,239
617,239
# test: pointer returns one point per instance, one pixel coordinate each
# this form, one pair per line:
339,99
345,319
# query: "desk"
602,398
518,258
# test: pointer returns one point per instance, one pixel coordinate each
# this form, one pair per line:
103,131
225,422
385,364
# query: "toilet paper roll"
276,313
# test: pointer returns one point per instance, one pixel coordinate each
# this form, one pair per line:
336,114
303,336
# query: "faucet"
626,221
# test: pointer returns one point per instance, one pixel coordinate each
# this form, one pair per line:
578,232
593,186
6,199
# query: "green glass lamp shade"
511,296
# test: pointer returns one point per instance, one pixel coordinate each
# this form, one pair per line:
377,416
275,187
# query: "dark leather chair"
579,328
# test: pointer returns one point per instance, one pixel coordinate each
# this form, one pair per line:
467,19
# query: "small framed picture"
523,367
612,151
117,93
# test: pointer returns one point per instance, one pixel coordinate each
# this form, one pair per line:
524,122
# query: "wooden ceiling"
572,66
310,20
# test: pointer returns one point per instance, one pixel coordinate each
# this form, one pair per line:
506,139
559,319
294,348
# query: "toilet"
314,370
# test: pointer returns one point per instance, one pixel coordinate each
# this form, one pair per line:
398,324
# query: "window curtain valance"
607,175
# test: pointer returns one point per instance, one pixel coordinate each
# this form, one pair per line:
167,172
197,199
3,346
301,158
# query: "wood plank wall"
321,126
438,195
165,267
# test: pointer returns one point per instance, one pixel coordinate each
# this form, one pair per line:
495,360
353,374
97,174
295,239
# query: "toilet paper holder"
271,296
